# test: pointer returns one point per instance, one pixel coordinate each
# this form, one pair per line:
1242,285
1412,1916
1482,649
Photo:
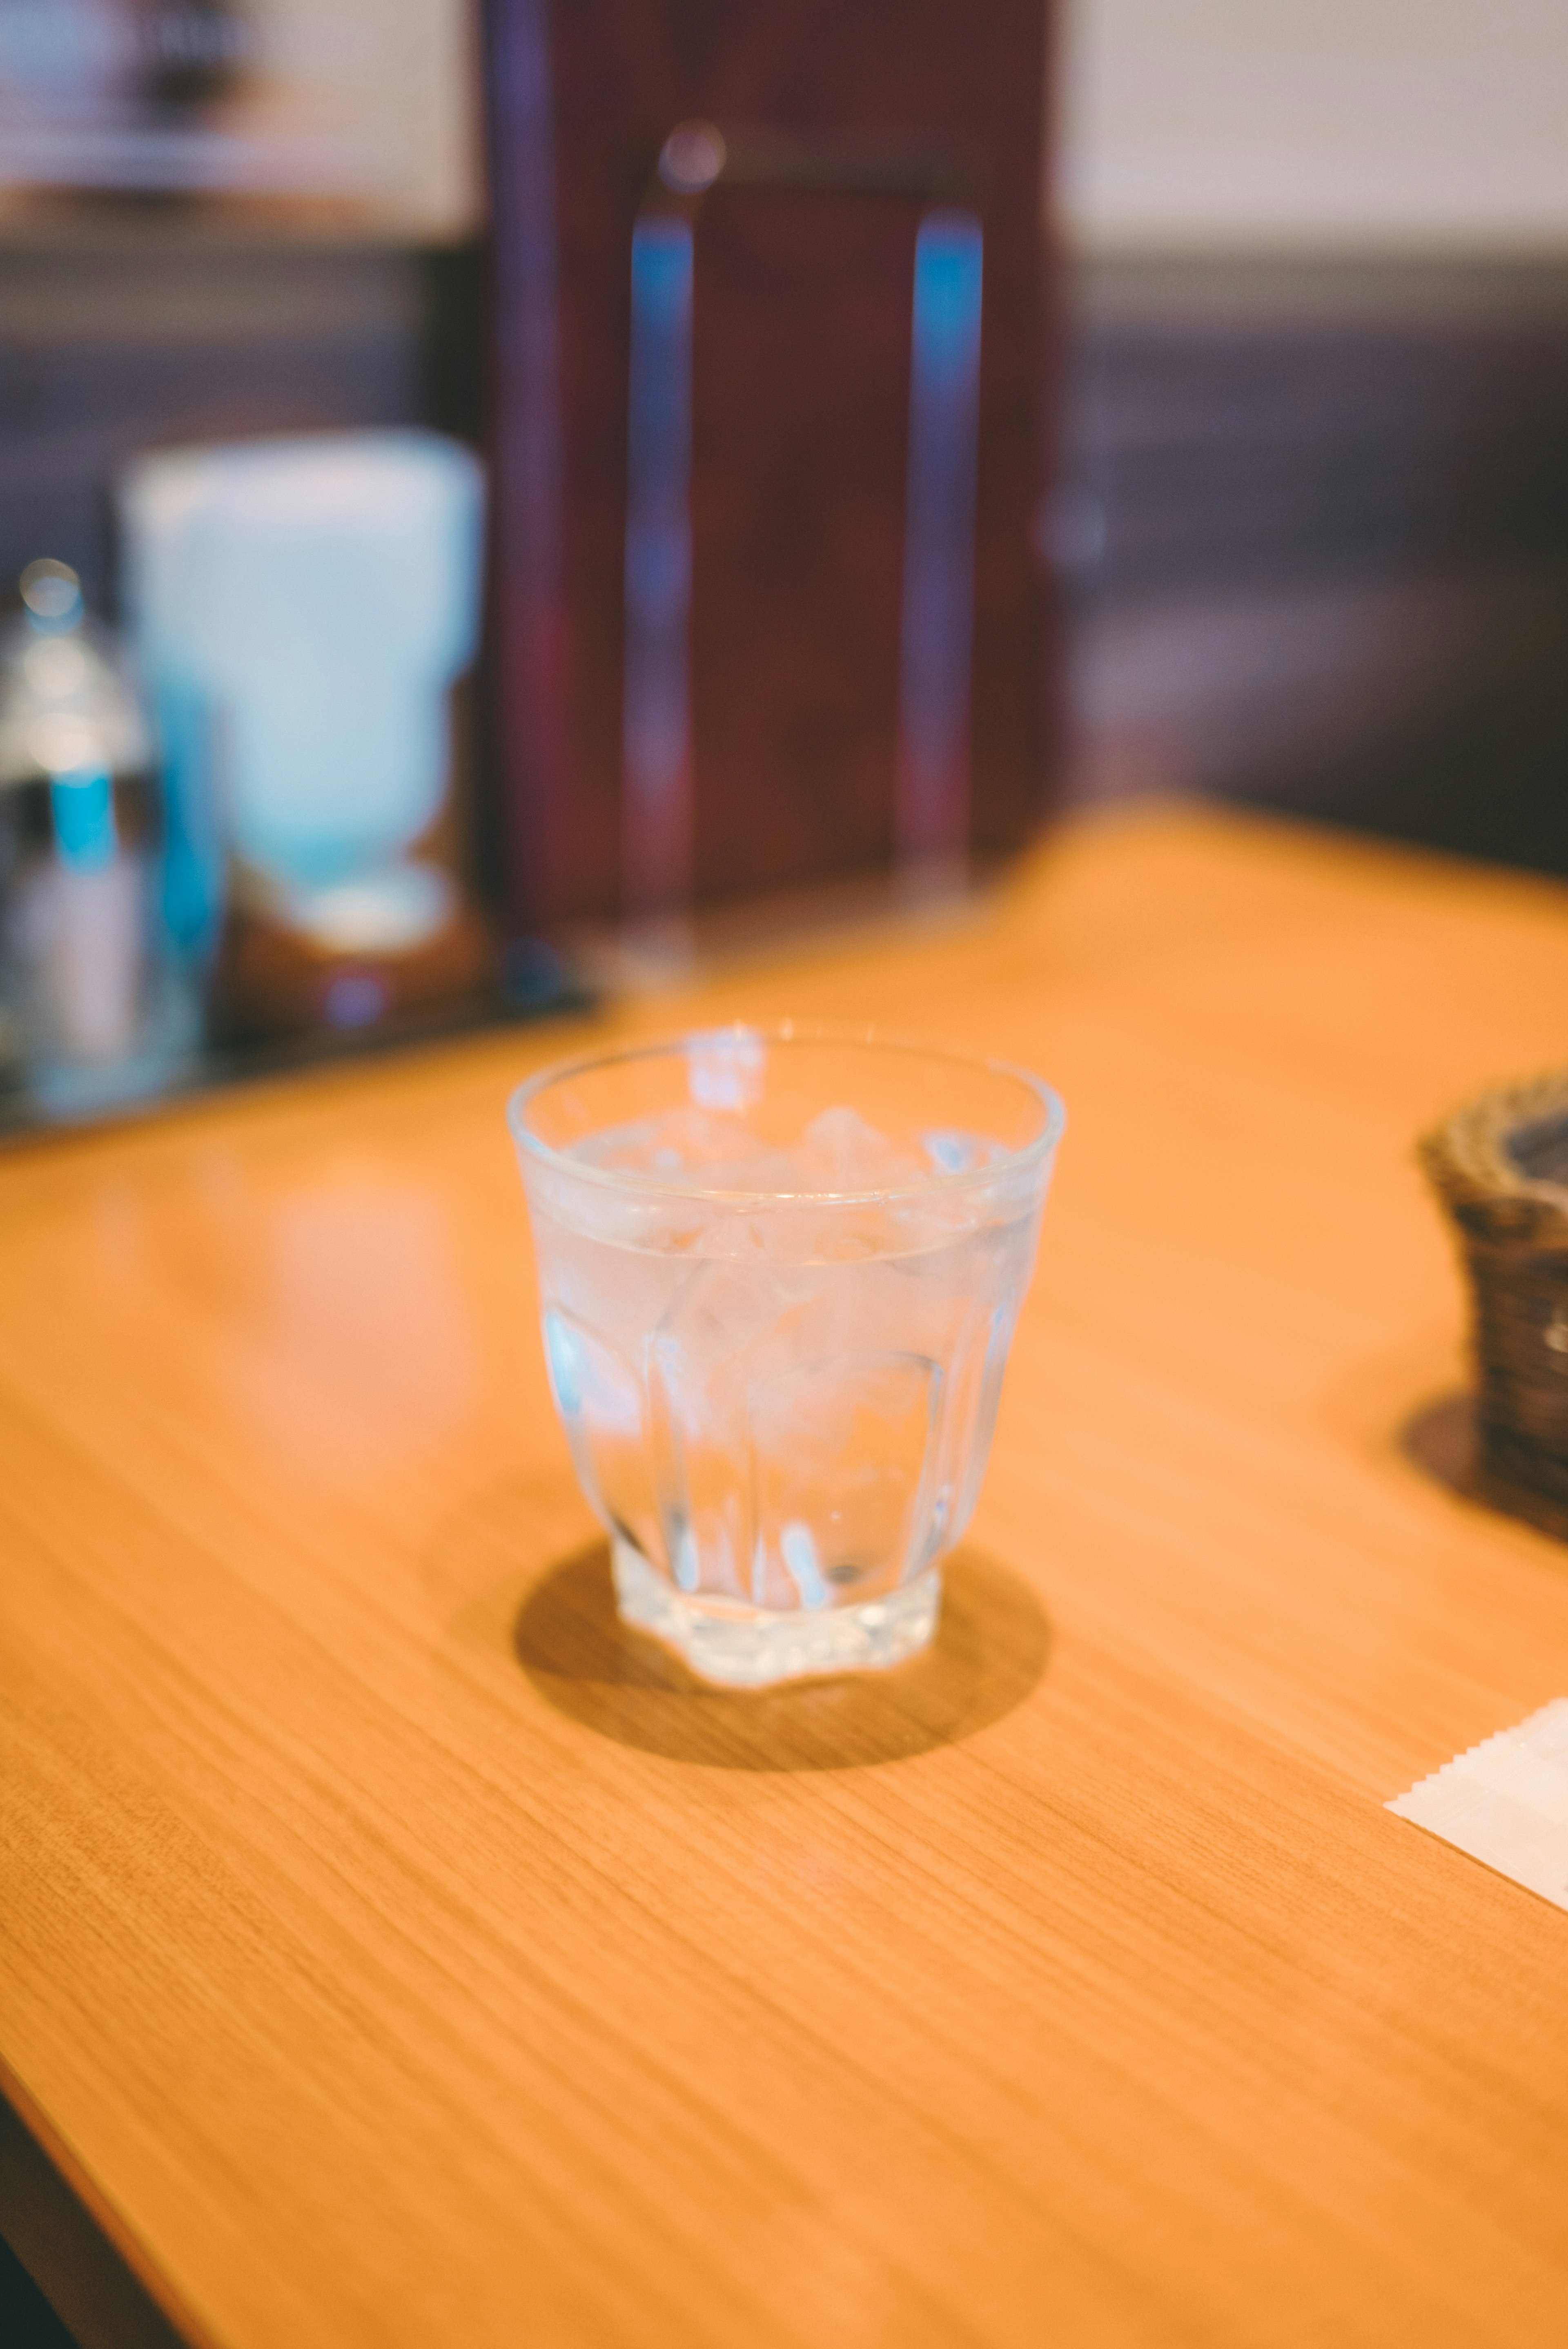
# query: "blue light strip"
529,473
656,717
932,809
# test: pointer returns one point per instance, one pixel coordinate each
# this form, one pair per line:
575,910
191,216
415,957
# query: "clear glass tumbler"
780,1272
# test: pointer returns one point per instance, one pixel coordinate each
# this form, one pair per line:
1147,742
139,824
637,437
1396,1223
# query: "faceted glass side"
777,1332
840,1457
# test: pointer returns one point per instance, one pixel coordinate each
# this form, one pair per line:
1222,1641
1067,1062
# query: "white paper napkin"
1505,1802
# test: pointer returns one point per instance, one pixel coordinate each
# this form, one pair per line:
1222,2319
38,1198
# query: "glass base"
752,1648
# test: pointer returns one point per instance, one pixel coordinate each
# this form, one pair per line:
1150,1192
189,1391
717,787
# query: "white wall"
1315,122
397,78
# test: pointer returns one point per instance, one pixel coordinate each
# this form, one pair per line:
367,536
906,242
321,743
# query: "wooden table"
393,1953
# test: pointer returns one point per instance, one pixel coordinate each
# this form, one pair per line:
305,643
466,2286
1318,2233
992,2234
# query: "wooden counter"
394,1953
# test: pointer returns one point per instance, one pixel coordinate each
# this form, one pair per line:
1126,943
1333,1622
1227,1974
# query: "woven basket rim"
1467,1156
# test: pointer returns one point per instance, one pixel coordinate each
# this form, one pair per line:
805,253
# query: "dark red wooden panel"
801,402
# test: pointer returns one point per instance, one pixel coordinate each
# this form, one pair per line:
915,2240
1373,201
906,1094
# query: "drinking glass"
780,1272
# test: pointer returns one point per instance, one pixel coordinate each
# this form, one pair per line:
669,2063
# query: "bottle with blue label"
94,1011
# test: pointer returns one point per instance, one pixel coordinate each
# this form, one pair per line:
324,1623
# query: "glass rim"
785,1031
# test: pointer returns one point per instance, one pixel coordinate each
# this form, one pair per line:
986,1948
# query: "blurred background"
1315,502
1271,497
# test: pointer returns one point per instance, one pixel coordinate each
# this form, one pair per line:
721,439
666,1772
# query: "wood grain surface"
392,1951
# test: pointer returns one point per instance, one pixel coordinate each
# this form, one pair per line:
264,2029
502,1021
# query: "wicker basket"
1500,1166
